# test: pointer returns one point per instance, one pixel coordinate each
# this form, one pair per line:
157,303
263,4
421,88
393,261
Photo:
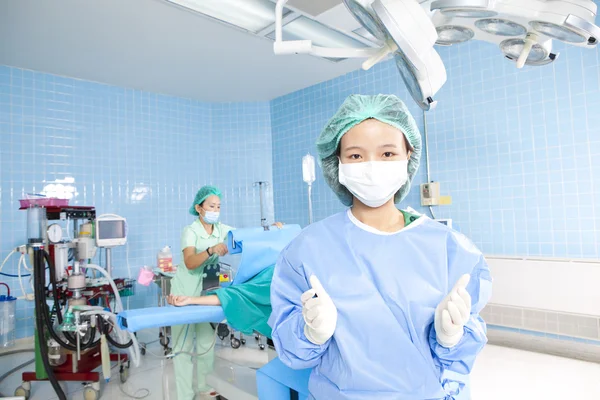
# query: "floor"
500,373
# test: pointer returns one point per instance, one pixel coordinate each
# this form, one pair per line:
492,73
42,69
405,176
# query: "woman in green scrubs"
202,243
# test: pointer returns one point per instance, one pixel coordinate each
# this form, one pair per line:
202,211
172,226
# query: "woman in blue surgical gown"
380,303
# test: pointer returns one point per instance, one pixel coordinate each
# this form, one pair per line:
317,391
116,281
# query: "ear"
409,154
198,208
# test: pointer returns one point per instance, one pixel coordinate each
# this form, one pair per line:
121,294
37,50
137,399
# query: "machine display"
111,231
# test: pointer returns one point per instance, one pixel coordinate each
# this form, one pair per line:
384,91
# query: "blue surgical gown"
386,289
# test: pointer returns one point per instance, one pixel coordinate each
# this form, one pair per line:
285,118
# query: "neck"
207,227
386,218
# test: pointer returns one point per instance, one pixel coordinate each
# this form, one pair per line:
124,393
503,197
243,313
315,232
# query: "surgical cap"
204,193
388,109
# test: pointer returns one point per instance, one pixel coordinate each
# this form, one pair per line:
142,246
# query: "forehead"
213,199
372,132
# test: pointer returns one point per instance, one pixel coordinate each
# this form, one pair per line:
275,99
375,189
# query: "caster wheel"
168,351
257,338
235,343
90,393
22,392
143,350
261,346
222,331
124,375
243,341
164,341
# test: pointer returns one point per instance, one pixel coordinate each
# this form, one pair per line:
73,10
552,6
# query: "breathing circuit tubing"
44,322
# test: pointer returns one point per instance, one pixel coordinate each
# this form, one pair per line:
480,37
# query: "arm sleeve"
463,258
188,238
286,319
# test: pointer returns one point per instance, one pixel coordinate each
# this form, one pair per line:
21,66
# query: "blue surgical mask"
210,217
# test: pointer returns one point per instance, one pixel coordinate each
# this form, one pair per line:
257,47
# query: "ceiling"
155,46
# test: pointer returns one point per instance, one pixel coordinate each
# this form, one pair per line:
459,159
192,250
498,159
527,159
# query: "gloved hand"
453,313
320,314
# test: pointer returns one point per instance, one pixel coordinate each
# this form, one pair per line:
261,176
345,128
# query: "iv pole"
262,185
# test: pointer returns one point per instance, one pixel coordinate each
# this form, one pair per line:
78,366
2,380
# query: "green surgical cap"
204,193
388,109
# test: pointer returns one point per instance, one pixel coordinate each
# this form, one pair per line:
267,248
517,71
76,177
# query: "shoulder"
462,242
191,228
191,231
319,235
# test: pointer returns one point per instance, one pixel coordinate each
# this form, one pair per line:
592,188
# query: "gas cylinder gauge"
54,233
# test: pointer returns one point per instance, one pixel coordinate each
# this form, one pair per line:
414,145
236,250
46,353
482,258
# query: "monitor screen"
111,229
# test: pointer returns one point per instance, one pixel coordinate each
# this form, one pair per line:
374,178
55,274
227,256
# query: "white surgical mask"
210,217
374,183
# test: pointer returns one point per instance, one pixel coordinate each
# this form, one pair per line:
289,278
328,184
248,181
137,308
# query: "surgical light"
366,19
539,54
409,29
500,27
453,34
411,36
366,34
557,32
403,29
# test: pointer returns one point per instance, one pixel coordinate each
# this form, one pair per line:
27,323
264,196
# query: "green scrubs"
189,283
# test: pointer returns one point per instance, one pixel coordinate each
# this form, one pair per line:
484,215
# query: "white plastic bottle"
165,259
7,320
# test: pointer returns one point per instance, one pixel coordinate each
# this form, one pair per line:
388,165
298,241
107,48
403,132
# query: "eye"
355,156
388,154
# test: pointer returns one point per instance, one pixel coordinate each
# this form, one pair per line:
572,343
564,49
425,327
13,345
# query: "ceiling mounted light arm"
443,4
465,8
580,24
446,4
307,47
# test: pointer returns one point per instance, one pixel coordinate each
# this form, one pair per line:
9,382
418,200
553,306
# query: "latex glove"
453,313
320,314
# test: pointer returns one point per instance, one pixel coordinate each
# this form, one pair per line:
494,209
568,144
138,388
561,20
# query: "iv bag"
308,169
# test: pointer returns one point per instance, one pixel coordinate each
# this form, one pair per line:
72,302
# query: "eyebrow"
353,148
388,145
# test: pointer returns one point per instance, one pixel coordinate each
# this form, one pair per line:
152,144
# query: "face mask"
374,183
210,217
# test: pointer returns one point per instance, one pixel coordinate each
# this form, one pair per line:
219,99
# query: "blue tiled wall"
136,154
518,151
